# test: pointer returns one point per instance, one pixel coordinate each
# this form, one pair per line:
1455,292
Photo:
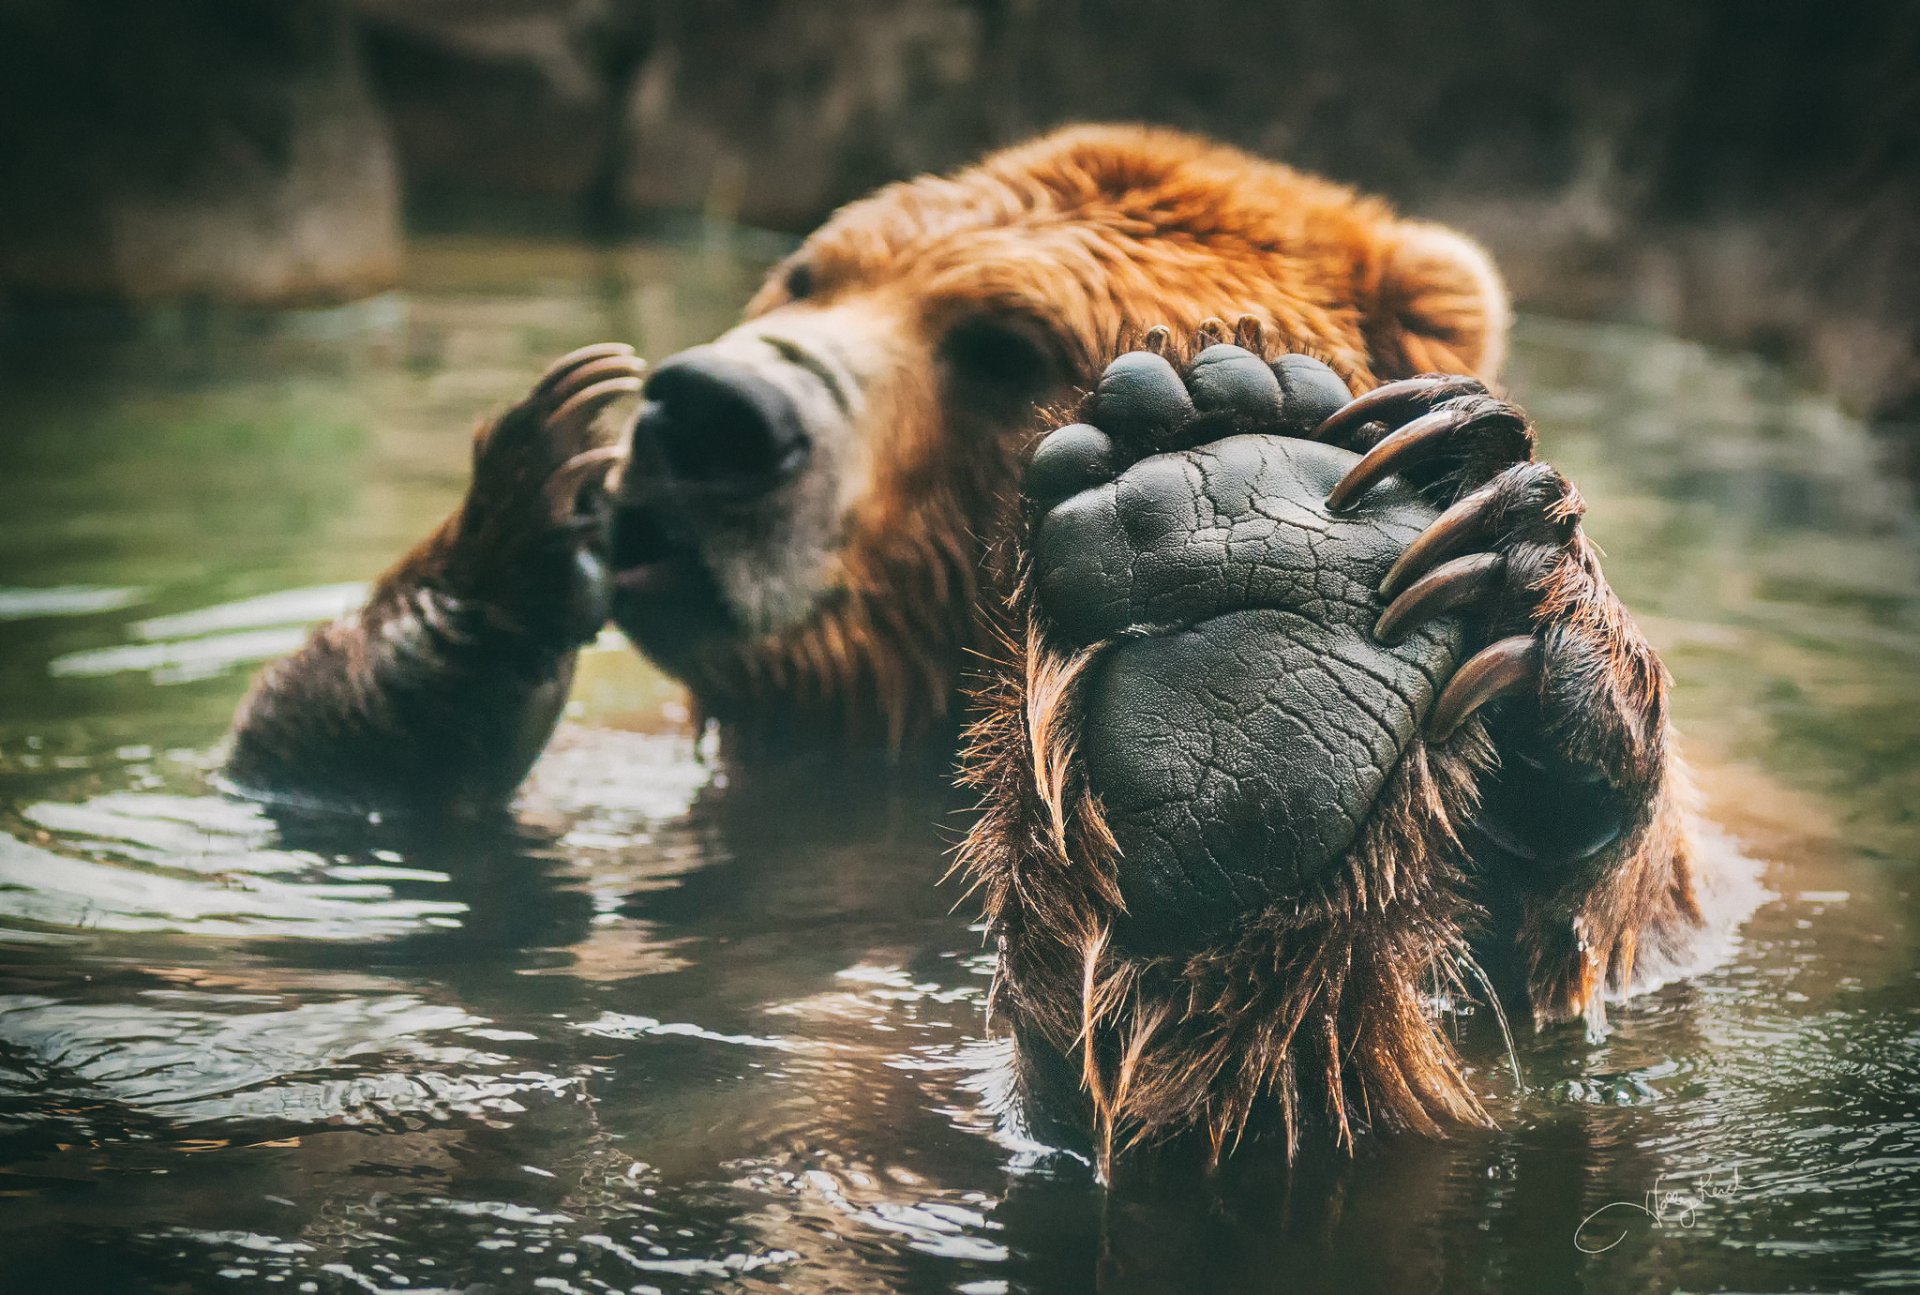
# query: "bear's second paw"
528,543
1239,718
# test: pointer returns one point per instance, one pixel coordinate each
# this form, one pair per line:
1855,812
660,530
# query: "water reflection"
673,1026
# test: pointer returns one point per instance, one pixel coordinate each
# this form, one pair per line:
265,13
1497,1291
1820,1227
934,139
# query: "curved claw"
563,487
572,360
1503,667
588,401
1385,404
586,375
1467,521
1417,438
1444,589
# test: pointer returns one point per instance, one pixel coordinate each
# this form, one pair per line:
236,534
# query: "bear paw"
1239,716
528,543
1301,688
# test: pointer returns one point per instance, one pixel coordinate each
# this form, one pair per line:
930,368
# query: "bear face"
797,530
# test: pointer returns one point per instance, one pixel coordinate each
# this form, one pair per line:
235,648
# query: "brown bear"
1294,697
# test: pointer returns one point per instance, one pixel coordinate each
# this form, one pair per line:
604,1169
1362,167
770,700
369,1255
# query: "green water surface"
684,1029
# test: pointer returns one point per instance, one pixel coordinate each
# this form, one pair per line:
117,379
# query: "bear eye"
799,282
1011,356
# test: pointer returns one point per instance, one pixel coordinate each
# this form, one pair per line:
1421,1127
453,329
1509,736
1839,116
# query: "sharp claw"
1250,334
1393,401
1502,667
1211,331
1468,520
563,487
1410,442
574,359
1159,340
1444,589
586,375
588,402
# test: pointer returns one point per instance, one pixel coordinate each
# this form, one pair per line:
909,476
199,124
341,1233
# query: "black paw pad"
1069,460
1241,719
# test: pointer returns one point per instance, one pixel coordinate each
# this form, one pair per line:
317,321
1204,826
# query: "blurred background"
1742,173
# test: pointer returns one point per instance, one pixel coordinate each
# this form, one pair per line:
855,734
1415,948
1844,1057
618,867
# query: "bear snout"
725,519
716,426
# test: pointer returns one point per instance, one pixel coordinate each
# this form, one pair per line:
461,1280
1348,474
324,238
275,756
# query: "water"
685,1029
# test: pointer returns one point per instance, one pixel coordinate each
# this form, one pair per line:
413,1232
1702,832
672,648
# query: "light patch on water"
66,600
1728,884
42,889
191,833
208,641
619,1025
505,1211
359,1060
287,607
883,988
245,1241
179,662
616,786
725,1268
945,1229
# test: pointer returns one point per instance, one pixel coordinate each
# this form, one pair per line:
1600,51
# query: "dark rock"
226,151
1749,174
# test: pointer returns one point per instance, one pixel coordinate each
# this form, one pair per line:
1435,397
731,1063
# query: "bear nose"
718,424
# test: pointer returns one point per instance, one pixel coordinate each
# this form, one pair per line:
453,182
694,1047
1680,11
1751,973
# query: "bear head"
800,524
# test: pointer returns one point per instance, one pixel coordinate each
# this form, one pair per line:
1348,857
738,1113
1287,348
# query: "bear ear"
1442,306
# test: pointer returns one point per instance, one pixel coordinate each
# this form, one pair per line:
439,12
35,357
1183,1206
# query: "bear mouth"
665,596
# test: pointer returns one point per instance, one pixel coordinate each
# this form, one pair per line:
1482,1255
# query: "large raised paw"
1222,869
1242,718
1304,691
527,543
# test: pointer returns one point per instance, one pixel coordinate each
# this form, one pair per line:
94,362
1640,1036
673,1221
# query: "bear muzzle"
722,521
716,427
